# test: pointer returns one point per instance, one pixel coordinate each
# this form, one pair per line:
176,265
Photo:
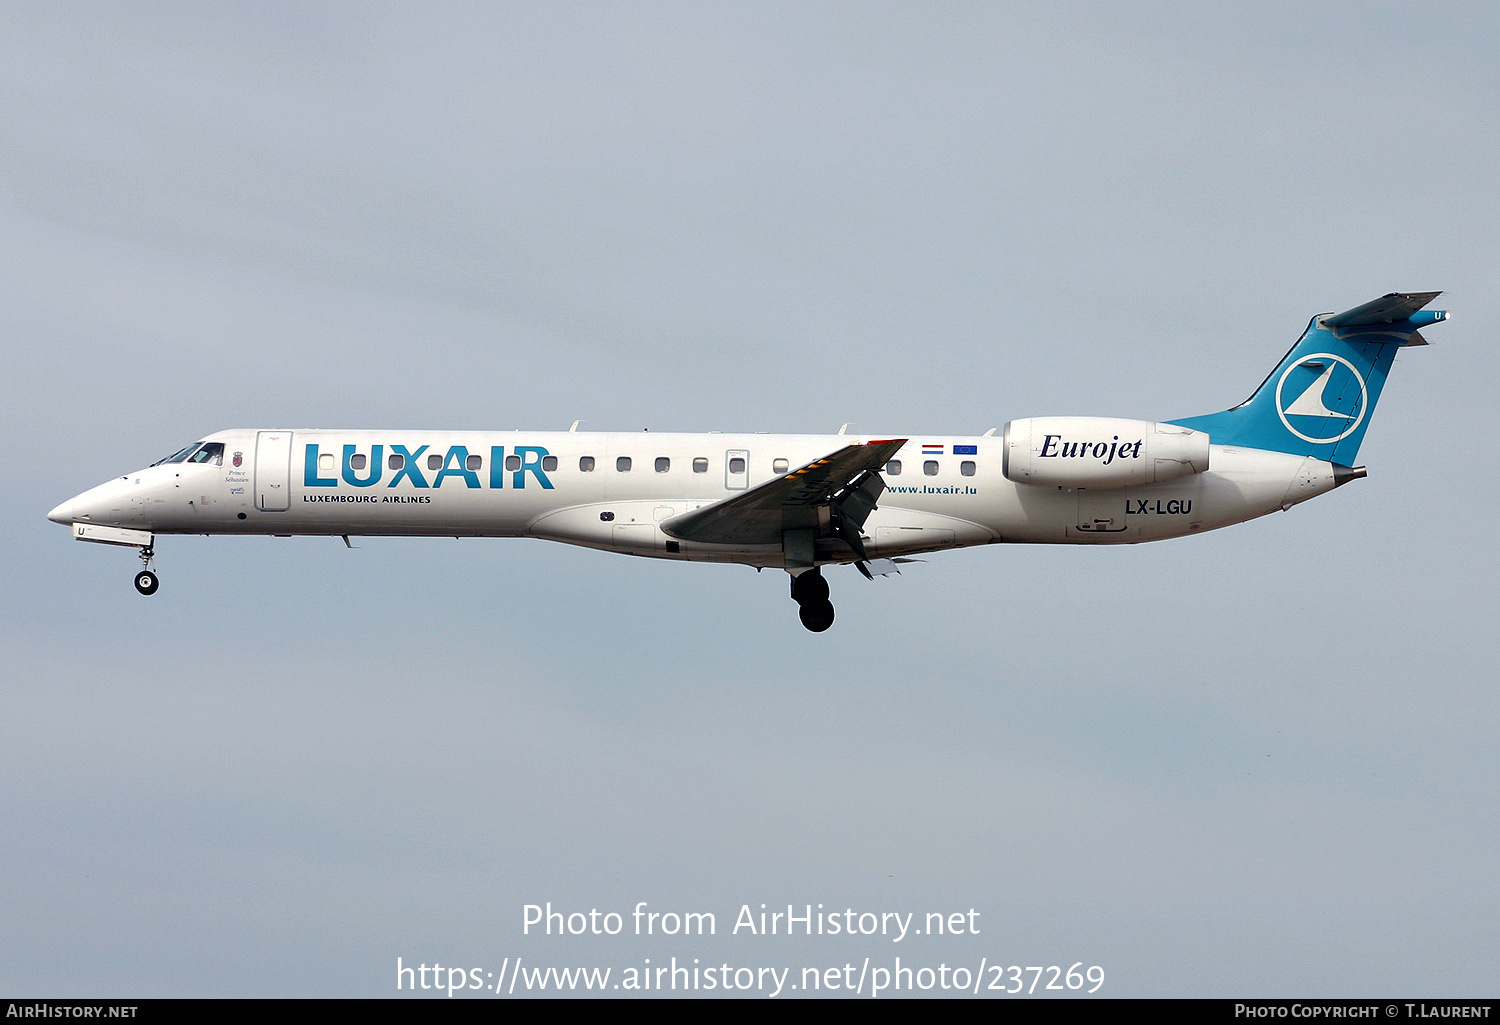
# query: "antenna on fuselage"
574,428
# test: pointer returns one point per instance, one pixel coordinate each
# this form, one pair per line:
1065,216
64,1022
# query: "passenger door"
273,469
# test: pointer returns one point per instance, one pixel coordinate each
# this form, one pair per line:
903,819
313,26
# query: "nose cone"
107,504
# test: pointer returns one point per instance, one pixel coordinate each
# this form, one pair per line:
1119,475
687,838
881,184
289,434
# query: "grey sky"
1260,761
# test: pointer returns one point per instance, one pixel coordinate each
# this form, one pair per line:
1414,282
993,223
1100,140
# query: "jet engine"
1100,452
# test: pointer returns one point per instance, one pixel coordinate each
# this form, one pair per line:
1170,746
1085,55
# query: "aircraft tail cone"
1344,474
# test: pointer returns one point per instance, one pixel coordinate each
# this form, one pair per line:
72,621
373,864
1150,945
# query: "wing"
807,497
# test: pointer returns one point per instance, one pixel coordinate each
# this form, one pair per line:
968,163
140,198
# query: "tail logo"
1322,398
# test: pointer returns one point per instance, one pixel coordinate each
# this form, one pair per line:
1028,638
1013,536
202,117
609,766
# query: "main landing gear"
146,580
810,591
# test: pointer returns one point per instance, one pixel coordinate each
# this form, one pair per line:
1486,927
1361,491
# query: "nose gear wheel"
146,581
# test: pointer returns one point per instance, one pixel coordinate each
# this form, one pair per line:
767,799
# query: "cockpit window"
180,456
211,452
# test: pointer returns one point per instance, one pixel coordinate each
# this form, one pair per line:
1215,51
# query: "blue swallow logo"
1322,398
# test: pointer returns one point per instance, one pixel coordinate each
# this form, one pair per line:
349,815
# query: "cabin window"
357,461
549,463
893,467
737,464
512,462
325,462
623,464
778,466
586,464
394,461
930,467
434,462
966,467
700,465
474,462
663,464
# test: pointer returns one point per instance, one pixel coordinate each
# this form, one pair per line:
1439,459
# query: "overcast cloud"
1260,761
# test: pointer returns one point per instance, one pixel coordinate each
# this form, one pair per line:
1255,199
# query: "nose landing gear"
810,592
146,580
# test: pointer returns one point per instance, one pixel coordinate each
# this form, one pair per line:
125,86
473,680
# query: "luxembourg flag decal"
932,450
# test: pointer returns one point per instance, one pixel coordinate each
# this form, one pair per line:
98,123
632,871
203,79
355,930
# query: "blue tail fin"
1318,400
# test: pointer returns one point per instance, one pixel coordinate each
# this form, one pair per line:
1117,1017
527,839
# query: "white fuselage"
520,484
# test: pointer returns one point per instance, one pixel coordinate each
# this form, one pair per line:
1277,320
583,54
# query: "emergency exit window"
737,465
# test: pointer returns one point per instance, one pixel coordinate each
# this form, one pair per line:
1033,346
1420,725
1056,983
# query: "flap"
758,516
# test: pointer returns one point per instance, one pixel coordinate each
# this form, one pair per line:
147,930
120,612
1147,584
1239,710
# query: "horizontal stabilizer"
1388,309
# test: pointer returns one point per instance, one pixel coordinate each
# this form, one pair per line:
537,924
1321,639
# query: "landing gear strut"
810,591
146,581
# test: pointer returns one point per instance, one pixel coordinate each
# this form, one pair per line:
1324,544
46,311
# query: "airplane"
785,501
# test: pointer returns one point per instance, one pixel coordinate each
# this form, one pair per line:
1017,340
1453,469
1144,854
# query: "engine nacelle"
1100,452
